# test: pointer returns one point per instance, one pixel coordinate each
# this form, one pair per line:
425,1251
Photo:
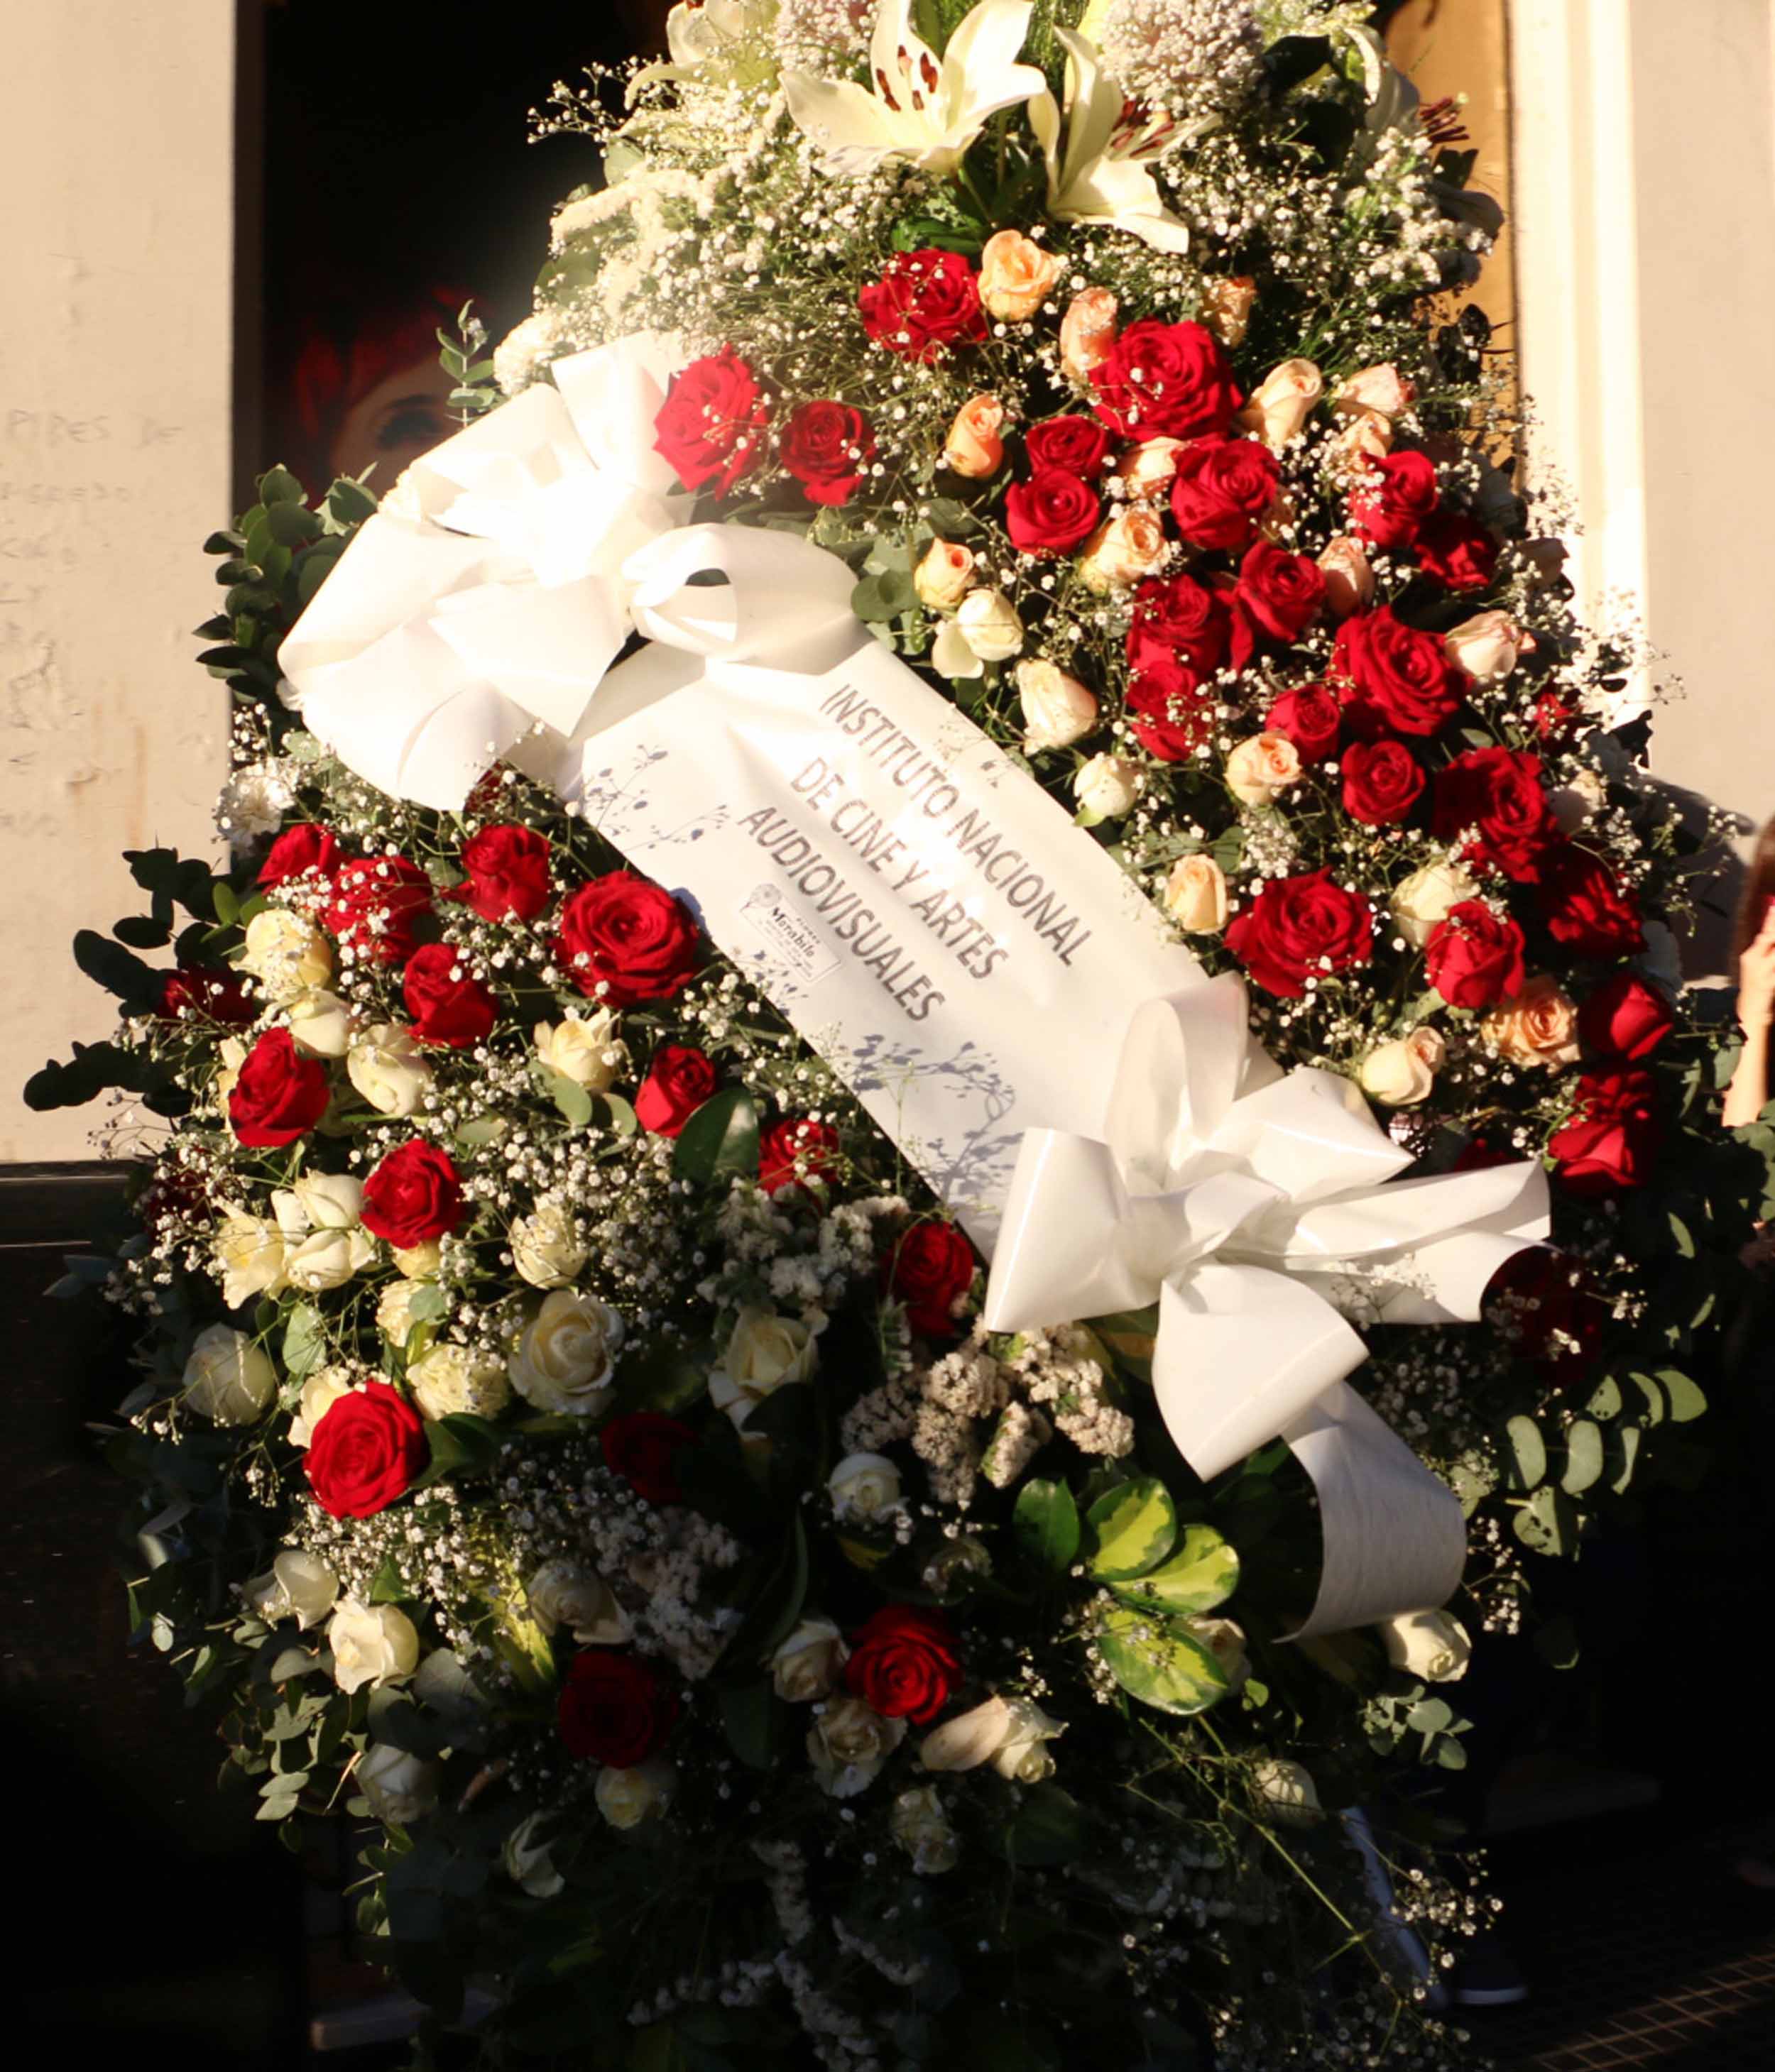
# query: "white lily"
701,32
919,108
1103,178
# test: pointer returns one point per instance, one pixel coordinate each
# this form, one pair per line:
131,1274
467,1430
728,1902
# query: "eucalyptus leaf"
1528,1452
1583,1457
304,1341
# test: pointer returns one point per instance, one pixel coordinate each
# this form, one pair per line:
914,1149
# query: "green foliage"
1046,1521
719,1140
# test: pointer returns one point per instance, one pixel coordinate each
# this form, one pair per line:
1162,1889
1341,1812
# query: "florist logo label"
795,942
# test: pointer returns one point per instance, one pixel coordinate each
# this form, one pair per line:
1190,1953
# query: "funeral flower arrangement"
573,1433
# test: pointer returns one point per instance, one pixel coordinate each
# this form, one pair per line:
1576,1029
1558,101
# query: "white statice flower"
324,1387
806,1665
565,1355
847,1745
371,1644
583,1048
864,1489
227,1379
297,1585
627,1798
525,1857
562,1594
1193,58
1019,1436
546,1248
286,953
764,1353
922,1829
401,1788
249,1252
255,802
451,1380
389,1070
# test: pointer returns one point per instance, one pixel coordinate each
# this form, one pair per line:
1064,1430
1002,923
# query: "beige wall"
117,121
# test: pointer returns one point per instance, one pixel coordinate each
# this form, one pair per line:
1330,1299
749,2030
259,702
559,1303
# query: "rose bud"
942,577
1261,768
1057,709
1122,549
974,447
1147,471
1106,786
1400,1074
1196,895
1226,308
1487,646
1087,332
1016,276
1349,579
1282,401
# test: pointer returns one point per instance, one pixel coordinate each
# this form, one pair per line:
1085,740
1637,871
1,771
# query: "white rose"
864,1487
806,1665
1282,401
1022,1754
764,1353
447,1380
1261,767
583,1048
562,1594
1286,1791
1106,786
387,1067
526,1858
250,1251
319,1393
320,1023
286,953
1401,1073
230,1055
987,621
330,1201
1196,894
626,1798
329,1259
919,1826
399,1788
564,1359
972,1738
847,1745
418,1262
1487,646
228,1378
1431,1645
1420,901
297,1585
1057,709
545,1248
371,1644
394,1309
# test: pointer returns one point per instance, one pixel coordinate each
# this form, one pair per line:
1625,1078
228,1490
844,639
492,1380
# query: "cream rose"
1087,332
974,447
371,1644
1401,1073
227,1379
1286,1792
806,1665
1350,576
1106,786
328,1259
1282,401
418,1262
1363,439
942,576
1261,767
1057,709
1226,308
1380,391
249,1250
1420,901
297,1585
1123,549
388,1068
1538,1027
1147,471
847,1745
764,1353
1023,1755
286,953
986,628
626,1798
1224,1640
1016,276
1196,894
864,1487
399,1788
1487,646
526,1859
919,1826
1010,1733
583,1048
320,1023
562,1594
1432,1645
448,1380
320,1391
564,1359
394,1309
546,1251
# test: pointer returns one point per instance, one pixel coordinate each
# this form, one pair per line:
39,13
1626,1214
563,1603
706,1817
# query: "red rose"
414,1193
278,1094
1178,619
1398,676
508,870
1457,551
795,1150
1584,905
1078,445
207,994
1625,1018
826,446
1397,494
375,900
904,1664
1474,957
929,1270
643,1448
1168,380
625,940
1221,489
1169,710
1278,597
678,1082
1613,1138
1296,927
1051,513
299,850
1493,795
447,1005
1382,782
710,427
615,1709
365,1451
1310,718
925,303
1543,1304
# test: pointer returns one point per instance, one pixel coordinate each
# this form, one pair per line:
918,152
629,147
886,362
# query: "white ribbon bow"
1247,1203
498,588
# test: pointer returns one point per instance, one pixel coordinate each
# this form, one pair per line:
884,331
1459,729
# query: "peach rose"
1282,401
1196,894
1016,276
1057,709
1124,548
941,578
1277,524
1363,439
1538,1027
1086,333
1259,770
1226,308
974,448
1381,392
1400,1074
1148,470
1349,579
1487,646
